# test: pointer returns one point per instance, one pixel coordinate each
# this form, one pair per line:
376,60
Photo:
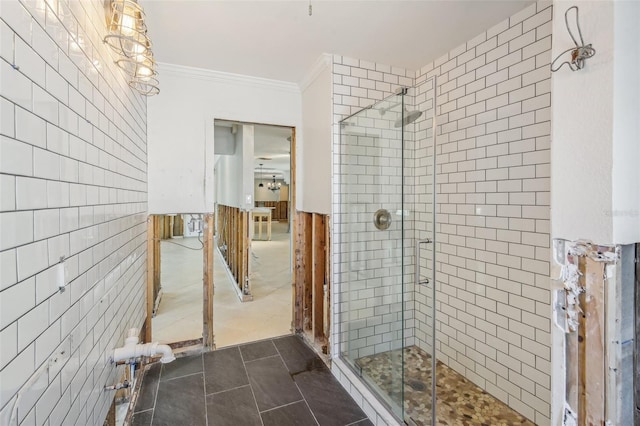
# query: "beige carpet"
179,315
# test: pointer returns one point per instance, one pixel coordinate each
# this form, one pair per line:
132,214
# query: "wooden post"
327,280
150,276
207,296
299,273
317,276
595,366
307,262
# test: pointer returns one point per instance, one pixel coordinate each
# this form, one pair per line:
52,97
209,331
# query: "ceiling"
279,40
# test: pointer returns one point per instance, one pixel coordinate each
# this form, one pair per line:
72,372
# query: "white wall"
181,120
316,126
73,182
231,170
595,154
626,123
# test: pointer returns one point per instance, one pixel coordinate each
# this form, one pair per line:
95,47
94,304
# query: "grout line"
283,405
260,359
250,387
204,391
155,399
358,421
183,376
305,401
226,390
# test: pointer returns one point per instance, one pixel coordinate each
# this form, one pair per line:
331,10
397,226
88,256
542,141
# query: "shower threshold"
459,401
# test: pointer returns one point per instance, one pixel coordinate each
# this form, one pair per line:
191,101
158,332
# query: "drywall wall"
73,182
316,127
626,125
181,131
234,173
595,152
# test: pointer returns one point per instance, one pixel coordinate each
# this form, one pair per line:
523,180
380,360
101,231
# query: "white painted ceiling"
279,40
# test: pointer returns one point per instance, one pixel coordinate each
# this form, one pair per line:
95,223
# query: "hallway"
275,382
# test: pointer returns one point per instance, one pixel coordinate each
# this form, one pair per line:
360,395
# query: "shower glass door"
377,227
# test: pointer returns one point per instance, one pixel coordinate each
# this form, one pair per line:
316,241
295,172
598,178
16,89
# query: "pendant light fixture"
261,185
273,185
127,36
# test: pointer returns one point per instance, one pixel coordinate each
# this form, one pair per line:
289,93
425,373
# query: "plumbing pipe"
132,349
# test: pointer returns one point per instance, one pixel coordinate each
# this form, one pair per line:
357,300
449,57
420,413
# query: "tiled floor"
459,402
277,382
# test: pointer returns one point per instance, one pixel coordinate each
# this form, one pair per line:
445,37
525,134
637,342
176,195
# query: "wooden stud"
207,296
317,276
327,279
308,270
595,365
300,249
151,237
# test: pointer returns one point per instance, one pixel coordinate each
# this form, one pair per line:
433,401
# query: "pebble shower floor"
459,401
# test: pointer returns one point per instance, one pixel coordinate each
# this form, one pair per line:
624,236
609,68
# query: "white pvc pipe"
132,349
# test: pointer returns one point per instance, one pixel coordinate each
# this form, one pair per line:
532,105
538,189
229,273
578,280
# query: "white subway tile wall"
493,299
73,170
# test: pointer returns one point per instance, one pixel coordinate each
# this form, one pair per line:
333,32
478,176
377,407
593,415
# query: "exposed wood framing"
312,283
207,295
234,243
586,366
318,275
152,253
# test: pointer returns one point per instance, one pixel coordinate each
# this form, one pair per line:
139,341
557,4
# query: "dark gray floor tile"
271,383
147,397
142,418
181,367
258,350
181,402
328,400
224,370
296,414
297,356
233,408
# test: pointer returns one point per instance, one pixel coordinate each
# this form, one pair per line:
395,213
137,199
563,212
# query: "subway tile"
45,105
537,20
46,164
31,193
7,118
30,128
32,258
16,229
6,42
56,85
16,157
16,301
29,62
46,223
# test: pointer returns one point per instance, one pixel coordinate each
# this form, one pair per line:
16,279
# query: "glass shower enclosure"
386,211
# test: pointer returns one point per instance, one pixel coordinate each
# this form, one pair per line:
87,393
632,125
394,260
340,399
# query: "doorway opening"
254,198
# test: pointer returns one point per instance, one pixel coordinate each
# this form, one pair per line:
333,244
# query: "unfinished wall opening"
179,279
254,195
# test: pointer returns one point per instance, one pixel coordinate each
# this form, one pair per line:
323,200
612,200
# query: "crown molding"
225,77
323,61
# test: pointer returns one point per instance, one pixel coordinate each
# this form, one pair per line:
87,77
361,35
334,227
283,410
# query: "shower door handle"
416,269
